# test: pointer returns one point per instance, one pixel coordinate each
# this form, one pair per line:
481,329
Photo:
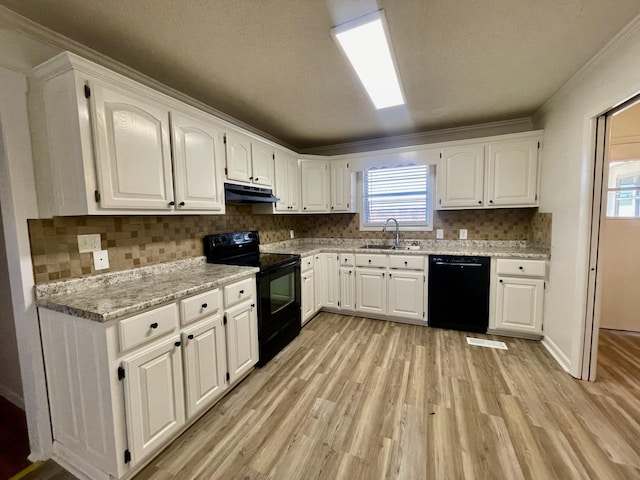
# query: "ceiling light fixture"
366,43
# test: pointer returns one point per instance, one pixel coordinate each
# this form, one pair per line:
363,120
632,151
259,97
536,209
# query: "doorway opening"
612,333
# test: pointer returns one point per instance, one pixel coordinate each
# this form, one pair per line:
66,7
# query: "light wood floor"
363,399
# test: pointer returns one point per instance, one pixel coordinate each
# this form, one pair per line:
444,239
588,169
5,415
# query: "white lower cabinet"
154,397
308,295
327,288
517,297
347,282
121,390
371,291
205,363
406,294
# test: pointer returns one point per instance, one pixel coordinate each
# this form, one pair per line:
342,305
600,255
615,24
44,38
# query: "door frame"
596,262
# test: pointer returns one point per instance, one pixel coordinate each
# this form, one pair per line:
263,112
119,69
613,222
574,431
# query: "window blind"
400,192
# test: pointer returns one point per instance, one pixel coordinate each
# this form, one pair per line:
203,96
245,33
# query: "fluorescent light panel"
365,42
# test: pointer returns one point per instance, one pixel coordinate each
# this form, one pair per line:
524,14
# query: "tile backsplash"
146,240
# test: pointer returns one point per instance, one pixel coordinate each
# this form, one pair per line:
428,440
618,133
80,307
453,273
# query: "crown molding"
13,21
489,129
607,51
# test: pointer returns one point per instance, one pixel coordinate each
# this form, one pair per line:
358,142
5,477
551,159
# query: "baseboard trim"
76,465
12,396
556,353
506,333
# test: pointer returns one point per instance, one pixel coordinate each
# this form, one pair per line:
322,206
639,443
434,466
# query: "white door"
205,364
347,288
198,160
132,150
340,186
308,296
281,187
154,397
512,177
406,294
262,164
238,152
321,286
294,184
371,291
314,175
461,177
242,339
519,304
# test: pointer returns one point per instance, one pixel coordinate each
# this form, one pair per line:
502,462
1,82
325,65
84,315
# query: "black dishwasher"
459,292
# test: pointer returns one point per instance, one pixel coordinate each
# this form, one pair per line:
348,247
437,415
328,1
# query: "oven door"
279,316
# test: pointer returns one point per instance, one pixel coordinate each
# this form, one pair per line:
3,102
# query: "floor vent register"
479,342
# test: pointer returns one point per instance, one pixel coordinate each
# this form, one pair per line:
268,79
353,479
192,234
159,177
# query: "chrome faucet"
384,229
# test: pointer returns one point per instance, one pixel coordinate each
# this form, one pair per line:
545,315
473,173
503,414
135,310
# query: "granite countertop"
489,248
114,295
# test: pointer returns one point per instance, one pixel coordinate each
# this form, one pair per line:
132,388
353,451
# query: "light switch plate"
463,234
291,234
101,260
439,233
89,243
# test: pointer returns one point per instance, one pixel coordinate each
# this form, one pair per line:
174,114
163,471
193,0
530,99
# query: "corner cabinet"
119,391
103,145
496,173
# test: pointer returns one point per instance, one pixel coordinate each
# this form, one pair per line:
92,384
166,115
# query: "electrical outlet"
89,243
291,234
463,234
101,259
439,233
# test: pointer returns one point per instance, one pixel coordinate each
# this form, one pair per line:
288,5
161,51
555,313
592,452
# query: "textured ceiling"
273,64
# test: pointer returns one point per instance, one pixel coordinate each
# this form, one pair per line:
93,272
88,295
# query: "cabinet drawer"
306,263
521,268
145,326
364,260
239,291
410,262
200,305
347,259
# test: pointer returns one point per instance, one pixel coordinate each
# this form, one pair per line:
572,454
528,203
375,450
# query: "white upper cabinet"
287,182
102,145
198,161
340,186
512,173
132,149
314,185
498,172
461,176
249,161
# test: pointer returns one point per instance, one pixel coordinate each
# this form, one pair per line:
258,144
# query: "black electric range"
278,286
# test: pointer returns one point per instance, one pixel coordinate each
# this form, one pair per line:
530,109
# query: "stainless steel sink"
379,247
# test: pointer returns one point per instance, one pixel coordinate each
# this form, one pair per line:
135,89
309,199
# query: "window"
401,192
623,198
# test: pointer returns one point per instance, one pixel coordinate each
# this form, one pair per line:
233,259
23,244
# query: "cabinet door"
205,364
406,294
308,296
154,397
321,286
371,291
347,288
512,173
294,184
198,163
132,150
242,339
340,186
238,151
262,164
461,177
281,187
314,183
519,304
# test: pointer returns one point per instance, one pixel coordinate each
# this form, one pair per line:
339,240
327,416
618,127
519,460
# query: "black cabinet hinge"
338,303
536,197
127,456
228,377
273,155
121,373
538,145
224,319
226,171
347,164
96,195
224,139
87,91
440,154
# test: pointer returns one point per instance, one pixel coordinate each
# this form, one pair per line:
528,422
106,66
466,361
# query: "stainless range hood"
246,194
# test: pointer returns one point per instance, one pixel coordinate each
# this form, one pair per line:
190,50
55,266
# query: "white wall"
568,119
10,382
18,202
